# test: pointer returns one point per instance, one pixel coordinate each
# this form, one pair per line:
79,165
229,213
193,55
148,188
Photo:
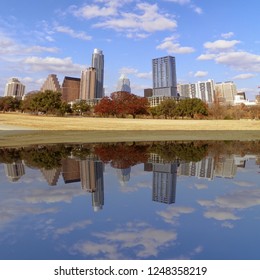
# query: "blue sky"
215,39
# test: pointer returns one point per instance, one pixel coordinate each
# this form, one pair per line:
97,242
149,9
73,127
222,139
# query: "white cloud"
227,35
136,73
92,11
201,74
171,46
52,64
148,20
147,75
195,8
74,34
221,215
172,213
9,46
221,45
244,76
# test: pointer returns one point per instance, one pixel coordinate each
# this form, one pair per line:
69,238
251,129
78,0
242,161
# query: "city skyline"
59,38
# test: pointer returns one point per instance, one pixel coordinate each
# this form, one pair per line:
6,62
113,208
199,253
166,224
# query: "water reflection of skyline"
89,171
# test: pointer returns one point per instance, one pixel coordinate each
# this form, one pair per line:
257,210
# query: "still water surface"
172,200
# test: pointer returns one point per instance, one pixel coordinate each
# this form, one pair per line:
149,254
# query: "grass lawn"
22,129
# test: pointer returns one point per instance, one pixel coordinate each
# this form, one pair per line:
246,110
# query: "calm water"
174,200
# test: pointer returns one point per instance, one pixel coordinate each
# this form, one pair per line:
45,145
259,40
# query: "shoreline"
22,129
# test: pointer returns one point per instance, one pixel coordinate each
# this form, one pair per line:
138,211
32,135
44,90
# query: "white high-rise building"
14,88
123,84
202,90
98,64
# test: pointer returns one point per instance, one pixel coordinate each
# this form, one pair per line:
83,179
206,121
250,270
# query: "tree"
81,107
105,107
168,108
45,102
9,103
122,103
192,106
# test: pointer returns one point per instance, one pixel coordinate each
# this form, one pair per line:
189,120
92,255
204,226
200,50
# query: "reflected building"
225,167
123,174
14,171
70,170
164,182
203,169
92,180
51,175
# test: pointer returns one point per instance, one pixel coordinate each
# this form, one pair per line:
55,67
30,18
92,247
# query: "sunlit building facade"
14,88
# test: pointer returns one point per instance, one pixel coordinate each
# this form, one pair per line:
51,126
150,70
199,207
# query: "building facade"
14,88
204,90
88,84
225,92
70,89
123,84
51,83
98,64
164,76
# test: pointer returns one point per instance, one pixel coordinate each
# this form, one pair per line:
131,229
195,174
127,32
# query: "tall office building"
14,88
51,83
70,89
164,76
88,84
123,84
98,64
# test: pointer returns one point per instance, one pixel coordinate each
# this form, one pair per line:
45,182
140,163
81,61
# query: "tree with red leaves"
122,103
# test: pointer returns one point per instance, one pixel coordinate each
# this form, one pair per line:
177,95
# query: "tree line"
124,104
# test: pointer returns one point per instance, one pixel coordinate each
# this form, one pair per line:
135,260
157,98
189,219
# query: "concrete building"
204,90
14,88
164,76
98,64
70,89
225,92
123,84
51,83
88,84
14,171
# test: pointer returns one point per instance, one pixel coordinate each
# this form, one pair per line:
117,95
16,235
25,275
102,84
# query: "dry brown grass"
83,123
27,129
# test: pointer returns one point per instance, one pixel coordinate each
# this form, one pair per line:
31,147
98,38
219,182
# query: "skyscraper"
164,76
70,89
88,84
14,88
98,64
123,84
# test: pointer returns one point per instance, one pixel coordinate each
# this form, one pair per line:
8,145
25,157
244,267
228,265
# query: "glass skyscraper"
164,76
98,64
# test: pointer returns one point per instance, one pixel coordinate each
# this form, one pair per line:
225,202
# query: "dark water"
172,200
